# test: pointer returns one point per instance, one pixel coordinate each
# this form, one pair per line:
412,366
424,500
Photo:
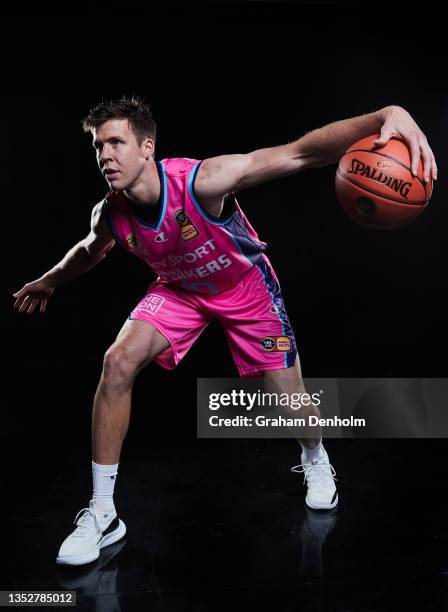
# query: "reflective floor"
222,525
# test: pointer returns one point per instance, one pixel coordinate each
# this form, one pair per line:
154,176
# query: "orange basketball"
375,185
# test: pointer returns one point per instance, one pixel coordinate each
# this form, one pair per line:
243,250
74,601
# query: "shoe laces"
84,524
315,471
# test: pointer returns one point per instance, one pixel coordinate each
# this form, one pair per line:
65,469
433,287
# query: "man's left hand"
398,123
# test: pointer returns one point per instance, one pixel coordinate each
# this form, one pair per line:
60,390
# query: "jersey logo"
161,237
132,241
273,344
188,230
151,303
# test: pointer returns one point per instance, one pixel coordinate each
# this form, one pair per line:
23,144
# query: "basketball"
375,185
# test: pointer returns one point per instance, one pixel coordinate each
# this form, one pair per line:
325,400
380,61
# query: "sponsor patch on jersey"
188,232
276,344
180,217
187,228
133,241
151,303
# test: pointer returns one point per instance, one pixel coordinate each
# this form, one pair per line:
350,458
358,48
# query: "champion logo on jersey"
188,229
161,237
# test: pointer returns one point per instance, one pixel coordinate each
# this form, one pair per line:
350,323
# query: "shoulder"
99,213
179,165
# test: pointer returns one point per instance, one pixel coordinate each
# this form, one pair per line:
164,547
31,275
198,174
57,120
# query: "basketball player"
180,216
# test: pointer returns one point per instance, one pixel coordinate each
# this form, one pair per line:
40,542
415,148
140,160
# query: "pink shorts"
251,312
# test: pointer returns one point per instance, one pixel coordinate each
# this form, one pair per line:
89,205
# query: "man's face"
120,158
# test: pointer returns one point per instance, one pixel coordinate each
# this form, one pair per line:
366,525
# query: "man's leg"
262,341
136,345
315,465
289,380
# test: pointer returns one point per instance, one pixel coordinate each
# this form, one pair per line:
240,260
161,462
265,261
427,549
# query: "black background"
222,78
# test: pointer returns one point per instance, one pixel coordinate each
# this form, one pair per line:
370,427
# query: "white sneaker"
319,476
94,531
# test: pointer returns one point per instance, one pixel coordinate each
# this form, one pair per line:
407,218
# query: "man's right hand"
31,294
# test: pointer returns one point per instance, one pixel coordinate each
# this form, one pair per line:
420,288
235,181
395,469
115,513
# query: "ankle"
101,507
104,477
309,454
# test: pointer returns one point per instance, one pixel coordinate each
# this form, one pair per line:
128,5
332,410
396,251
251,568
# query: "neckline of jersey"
160,204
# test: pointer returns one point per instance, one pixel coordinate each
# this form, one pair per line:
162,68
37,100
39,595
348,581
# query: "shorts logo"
275,309
151,303
273,344
188,230
132,241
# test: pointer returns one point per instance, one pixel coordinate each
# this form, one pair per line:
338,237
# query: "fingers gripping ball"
375,185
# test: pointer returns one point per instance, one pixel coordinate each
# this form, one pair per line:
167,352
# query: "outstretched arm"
218,176
82,257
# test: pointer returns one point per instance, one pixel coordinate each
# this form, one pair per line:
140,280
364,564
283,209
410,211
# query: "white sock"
103,486
308,454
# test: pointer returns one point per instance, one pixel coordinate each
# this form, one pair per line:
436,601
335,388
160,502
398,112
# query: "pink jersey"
185,245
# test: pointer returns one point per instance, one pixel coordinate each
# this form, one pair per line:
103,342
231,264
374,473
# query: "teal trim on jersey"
164,194
196,202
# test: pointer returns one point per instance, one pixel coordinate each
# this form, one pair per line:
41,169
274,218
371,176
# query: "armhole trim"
196,202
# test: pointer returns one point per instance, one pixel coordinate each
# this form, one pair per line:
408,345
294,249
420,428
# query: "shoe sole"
111,538
329,507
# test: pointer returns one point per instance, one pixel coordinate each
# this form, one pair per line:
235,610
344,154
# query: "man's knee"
121,364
